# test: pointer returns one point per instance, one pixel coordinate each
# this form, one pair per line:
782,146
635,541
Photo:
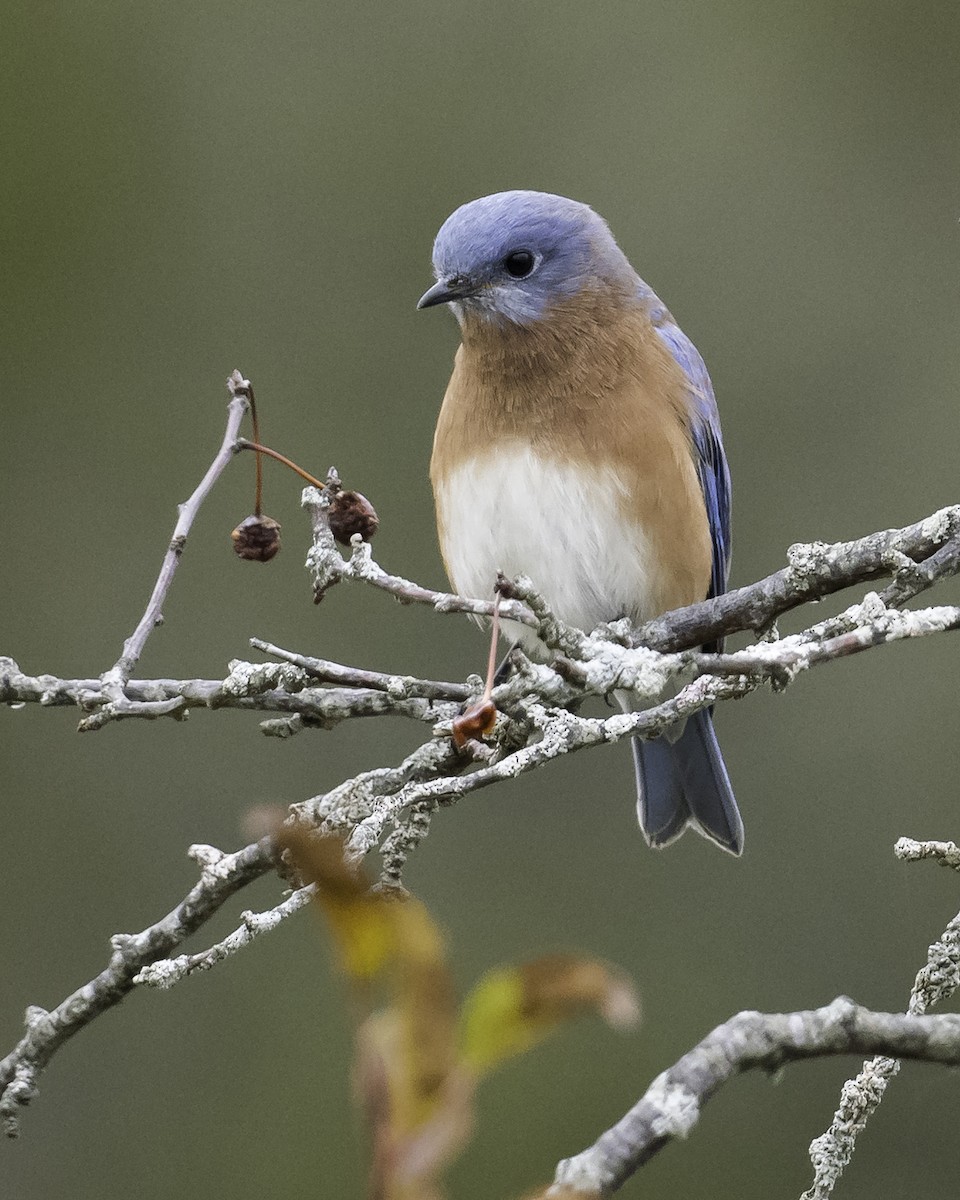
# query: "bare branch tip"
237,385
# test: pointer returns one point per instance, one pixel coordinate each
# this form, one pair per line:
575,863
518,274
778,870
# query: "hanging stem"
258,492
479,718
243,444
492,658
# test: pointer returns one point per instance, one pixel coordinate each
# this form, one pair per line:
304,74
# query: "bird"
578,443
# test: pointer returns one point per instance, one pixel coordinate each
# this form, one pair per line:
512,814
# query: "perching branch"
916,556
390,807
671,1106
165,972
261,687
221,876
936,981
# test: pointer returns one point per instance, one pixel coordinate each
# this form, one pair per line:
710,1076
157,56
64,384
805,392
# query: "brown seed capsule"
351,513
256,539
474,722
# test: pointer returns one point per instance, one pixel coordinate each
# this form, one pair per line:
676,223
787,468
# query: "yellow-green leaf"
514,1008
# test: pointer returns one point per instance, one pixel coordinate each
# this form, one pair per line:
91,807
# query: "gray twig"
859,1098
814,571
111,702
400,686
221,876
391,807
165,972
327,566
865,625
671,1105
263,687
947,854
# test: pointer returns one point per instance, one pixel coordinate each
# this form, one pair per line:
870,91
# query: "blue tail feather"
686,783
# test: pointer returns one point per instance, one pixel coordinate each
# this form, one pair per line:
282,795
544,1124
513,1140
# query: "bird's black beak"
456,287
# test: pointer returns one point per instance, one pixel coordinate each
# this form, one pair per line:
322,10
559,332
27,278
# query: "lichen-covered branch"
551,733
859,628
221,876
947,854
261,687
816,570
390,807
916,556
404,686
601,667
671,1106
165,972
112,701
327,566
936,981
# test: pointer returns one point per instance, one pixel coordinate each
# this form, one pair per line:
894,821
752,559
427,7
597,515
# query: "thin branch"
401,686
671,1105
553,733
859,1098
909,583
815,570
868,624
947,854
391,807
165,972
328,567
222,875
250,687
113,702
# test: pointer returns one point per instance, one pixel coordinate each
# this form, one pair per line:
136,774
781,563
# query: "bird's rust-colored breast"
590,384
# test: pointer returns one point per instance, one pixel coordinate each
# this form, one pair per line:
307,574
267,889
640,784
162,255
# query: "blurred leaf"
416,1066
514,1008
359,919
425,1003
416,1098
408,1154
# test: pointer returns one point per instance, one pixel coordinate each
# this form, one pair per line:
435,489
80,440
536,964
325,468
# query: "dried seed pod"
256,539
474,722
351,513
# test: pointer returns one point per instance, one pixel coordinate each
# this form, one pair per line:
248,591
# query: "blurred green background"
191,188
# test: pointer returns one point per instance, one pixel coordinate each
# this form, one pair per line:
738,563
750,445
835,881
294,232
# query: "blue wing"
686,781
707,442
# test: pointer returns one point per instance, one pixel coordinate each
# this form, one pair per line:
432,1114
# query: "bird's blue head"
513,255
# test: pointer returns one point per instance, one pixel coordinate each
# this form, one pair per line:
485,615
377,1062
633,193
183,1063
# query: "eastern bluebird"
579,443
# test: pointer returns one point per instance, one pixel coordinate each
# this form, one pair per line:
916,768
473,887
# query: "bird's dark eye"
520,263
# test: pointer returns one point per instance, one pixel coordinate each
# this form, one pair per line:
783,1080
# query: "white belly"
563,526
